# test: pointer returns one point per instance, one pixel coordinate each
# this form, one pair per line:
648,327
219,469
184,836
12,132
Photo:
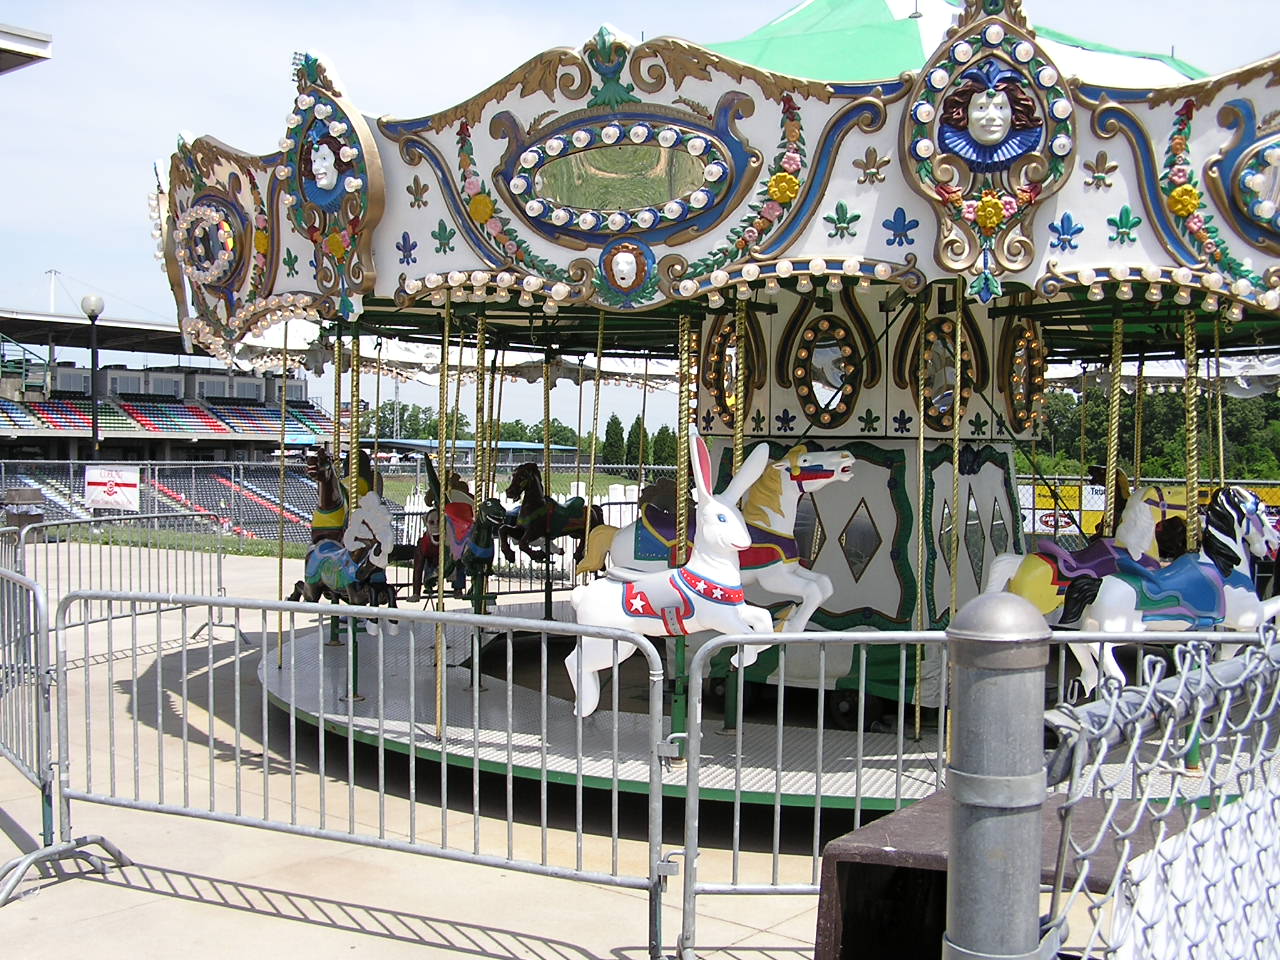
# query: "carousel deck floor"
505,724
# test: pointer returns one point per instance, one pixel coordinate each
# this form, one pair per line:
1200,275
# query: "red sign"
1057,520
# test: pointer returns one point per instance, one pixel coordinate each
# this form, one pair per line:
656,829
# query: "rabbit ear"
700,458
752,467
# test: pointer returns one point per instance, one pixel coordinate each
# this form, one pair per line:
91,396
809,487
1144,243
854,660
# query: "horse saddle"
1098,559
1187,589
655,536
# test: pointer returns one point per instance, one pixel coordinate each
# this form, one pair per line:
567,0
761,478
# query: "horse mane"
764,497
1222,528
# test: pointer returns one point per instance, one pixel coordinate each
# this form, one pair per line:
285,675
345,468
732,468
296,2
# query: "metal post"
93,382
998,644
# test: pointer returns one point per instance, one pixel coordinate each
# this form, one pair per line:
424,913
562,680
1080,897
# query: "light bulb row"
1183,280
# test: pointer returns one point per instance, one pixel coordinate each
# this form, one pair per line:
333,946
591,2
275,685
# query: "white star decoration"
698,585
637,604
717,593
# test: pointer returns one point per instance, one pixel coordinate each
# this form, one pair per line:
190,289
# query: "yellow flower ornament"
480,207
990,213
783,187
1185,200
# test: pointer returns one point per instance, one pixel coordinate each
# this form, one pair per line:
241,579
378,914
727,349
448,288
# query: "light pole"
92,306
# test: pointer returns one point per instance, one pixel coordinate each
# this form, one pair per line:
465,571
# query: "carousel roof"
861,40
1038,176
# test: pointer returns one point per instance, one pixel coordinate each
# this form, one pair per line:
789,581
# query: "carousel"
854,284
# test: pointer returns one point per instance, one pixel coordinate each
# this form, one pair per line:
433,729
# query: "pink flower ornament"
1195,223
751,234
1179,174
969,210
771,210
1210,248
791,161
494,226
1010,205
471,185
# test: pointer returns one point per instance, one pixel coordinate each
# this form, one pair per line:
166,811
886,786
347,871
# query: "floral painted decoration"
772,201
494,225
1185,201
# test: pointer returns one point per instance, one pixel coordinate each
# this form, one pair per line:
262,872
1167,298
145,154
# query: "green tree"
638,446
614,449
664,447
560,433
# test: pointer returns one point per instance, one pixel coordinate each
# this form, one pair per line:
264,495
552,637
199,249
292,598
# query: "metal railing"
26,725
796,761
157,713
162,552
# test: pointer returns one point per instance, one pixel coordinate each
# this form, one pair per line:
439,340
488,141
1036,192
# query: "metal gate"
163,692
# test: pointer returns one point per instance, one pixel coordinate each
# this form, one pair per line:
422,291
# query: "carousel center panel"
503,722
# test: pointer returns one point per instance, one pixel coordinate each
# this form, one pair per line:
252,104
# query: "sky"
83,129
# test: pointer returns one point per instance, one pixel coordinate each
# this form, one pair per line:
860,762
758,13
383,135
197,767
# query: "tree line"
1250,431
418,422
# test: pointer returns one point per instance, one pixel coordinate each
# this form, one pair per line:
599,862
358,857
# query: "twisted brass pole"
442,437
1192,410
739,383
1113,428
682,443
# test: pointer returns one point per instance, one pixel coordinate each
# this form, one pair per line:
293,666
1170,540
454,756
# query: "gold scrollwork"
655,62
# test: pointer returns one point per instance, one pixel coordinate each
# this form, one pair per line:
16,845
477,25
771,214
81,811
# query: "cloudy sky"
82,130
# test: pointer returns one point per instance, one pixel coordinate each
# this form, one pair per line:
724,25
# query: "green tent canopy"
863,40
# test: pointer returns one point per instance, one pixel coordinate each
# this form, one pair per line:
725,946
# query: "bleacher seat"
76,413
14,414
172,417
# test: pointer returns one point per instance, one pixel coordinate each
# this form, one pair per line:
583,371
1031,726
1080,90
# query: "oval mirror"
622,177
826,371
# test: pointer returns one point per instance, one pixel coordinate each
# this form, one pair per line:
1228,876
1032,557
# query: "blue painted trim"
453,199
1229,172
1148,172
819,174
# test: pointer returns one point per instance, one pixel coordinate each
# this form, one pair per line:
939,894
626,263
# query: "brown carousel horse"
539,517
349,548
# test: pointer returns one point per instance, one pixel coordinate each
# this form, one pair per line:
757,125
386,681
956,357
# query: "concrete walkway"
201,889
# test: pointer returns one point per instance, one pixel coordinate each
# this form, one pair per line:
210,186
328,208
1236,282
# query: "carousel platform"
527,723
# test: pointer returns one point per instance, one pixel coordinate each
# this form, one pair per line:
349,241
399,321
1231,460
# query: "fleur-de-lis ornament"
871,164
1100,170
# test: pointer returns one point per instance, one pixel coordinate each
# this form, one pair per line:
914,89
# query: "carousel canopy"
879,39
582,203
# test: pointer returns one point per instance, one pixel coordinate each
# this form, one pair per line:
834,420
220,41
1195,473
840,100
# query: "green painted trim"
596,783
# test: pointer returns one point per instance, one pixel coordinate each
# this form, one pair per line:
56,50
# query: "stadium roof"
20,47
65,330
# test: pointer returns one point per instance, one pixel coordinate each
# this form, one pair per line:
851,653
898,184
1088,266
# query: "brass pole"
1217,389
1192,411
739,382
284,391
337,393
956,396
922,371
353,426
595,429
644,423
1113,429
480,450
1083,467
441,469
495,421
377,411
1139,400
682,443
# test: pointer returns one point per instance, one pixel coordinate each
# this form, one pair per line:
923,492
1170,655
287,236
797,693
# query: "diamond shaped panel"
975,537
999,530
944,534
860,540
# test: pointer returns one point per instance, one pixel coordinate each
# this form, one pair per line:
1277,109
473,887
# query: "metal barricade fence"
1170,809
26,724
796,761
9,548
237,726
162,552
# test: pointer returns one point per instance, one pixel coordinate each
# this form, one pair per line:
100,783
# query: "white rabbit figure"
704,594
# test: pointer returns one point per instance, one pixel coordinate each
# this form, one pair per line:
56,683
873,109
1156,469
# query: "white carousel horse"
1214,588
772,560
704,594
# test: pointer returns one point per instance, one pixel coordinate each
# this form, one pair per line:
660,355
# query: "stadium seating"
14,414
169,416
76,413
313,419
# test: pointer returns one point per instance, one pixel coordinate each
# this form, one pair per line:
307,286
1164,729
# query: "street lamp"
92,306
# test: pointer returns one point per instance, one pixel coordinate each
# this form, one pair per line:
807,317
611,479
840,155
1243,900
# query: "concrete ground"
200,889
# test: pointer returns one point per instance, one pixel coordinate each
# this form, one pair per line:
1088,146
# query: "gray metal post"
999,646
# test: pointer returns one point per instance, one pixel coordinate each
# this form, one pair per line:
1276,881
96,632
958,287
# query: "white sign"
111,488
